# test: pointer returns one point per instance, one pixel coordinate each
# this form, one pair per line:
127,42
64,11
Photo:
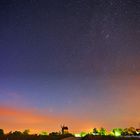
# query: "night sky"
72,62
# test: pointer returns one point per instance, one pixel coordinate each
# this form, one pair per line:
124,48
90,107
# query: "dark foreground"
64,137
34,137
92,137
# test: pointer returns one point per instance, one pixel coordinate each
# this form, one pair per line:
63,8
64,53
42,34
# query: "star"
107,36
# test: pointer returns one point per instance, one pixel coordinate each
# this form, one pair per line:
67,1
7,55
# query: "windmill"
64,129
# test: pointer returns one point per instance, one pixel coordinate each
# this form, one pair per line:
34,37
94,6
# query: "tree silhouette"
95,131
17,133
26,132
102,131
1,132
117,131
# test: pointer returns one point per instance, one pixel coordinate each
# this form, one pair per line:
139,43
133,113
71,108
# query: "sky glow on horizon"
69,62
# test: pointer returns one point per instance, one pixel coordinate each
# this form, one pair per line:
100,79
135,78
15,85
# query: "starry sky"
72,62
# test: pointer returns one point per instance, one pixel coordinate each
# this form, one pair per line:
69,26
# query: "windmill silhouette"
64,129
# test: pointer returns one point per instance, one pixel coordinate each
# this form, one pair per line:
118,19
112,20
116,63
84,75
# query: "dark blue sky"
70,57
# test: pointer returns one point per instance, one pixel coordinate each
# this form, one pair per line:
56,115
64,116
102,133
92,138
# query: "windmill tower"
64,129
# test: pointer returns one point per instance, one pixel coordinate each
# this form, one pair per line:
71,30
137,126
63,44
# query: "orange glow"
20,119
119,109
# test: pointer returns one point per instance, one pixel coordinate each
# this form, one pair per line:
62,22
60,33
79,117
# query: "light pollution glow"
120,111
